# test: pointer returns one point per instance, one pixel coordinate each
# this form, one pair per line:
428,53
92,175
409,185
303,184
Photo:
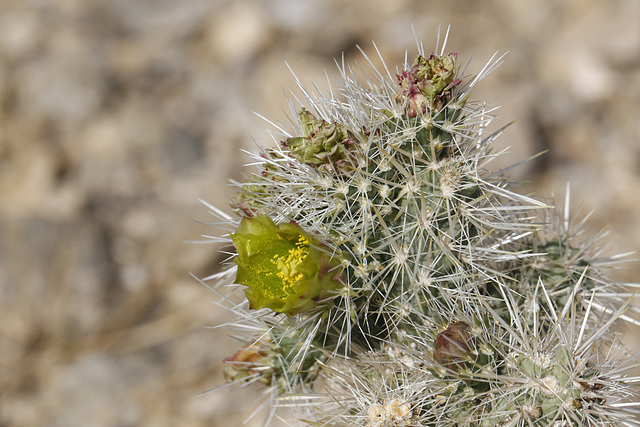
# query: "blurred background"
116,116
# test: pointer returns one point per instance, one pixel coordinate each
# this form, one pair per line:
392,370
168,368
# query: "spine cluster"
385,276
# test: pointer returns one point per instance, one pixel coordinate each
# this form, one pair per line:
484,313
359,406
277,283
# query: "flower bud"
427,86
248,361
454,346
323,144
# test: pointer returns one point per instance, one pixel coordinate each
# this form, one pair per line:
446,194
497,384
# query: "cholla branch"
382,275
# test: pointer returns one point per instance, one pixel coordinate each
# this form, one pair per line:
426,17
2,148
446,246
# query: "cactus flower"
282,266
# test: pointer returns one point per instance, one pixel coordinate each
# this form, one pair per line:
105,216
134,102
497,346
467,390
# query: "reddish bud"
454,346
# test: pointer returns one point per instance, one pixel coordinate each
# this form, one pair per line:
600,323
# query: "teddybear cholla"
384,275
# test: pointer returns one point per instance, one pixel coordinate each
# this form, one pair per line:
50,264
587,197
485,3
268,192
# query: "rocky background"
117,115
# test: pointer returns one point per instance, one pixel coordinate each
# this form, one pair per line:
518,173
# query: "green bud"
323,144
427,86
435,74
282,266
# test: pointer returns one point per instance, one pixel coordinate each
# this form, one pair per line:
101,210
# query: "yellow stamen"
287,264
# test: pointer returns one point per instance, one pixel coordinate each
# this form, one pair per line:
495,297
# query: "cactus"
389,278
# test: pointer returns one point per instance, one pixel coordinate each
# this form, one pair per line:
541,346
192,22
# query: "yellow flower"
283,267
